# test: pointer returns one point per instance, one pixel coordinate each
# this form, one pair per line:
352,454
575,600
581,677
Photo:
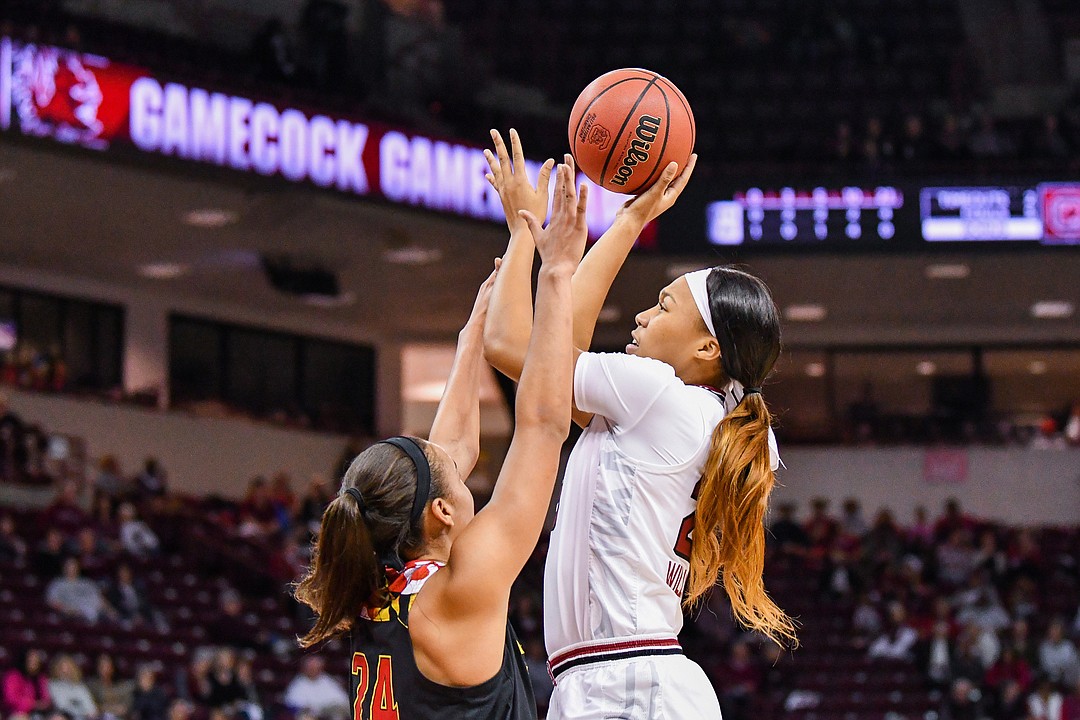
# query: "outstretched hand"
510,180
652,203
562,242
483,297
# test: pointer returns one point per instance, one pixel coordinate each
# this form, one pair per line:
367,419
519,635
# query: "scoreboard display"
818,215
1047,212
904,216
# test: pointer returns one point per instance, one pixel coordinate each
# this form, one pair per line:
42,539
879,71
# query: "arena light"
815,369
947,271
1037,367
609,314
926,368
412,255
806,312
1052,309
164,270
330,301
210,218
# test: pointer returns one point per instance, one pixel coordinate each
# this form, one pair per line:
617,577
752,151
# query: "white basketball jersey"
618,559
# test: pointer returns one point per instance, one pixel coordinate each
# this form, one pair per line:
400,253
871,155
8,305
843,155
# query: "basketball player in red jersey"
430,636
666,489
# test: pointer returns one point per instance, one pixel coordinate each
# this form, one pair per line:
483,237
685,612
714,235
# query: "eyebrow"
666,294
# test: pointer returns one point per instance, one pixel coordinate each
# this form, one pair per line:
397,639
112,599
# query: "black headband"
423,473
751,391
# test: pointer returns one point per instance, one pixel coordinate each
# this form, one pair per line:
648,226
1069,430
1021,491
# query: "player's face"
670,331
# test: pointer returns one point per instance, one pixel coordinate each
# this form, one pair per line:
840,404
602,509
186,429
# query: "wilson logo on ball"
647,129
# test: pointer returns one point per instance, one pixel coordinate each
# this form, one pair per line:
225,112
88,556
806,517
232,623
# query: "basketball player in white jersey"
666,489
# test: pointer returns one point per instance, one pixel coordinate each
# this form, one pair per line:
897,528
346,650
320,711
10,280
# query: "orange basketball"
626,126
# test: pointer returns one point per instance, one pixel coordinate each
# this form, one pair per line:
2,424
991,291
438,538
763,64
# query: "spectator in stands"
785,534
1019,639
314,502
1009,666
1070,707
180,709
882,546
865,621
1046,702
12,446
151,482
1072,425
842,147
950,143
962,702
1058,658
75,596
112,696
1025,557
936,656
877,147
985,618
313,691
273,53
249,707
990,558
1049,142
258,516
989,142
64,513
26,687
738,681
1008,702
104,519
12,547
956,559
952,519
109,481
194,683
135,535
921,533
852,523
283,497
68,691
898,640
149,701
92,551
820,528
226,692
913,146
49,559
127,595
232,627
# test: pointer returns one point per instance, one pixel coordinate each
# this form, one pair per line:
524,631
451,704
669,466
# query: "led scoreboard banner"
796,216
89,101
1045,212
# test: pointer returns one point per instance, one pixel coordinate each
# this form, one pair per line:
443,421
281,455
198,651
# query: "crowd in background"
983,613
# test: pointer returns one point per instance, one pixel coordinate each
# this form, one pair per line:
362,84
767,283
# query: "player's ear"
442,512
708,349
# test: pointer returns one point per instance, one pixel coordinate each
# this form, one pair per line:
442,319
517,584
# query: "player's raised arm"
506,335
487,557
457,421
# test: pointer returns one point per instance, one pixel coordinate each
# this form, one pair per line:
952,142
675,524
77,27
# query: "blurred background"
238,238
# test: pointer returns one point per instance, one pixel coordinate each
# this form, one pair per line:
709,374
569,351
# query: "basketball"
626,126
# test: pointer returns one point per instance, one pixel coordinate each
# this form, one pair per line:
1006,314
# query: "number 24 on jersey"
382,705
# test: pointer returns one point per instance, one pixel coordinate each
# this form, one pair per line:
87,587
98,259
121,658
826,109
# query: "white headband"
696,281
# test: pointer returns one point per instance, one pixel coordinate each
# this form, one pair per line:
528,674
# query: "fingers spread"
500,149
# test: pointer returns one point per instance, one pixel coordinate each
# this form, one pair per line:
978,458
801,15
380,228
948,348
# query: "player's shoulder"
614,363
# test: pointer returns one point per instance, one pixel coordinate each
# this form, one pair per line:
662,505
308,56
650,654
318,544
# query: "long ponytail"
729,522
344,572
729,528
347,562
